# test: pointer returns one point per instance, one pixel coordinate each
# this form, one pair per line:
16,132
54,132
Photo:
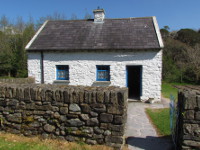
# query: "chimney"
99,15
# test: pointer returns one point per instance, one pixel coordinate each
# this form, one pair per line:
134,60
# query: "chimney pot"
99,15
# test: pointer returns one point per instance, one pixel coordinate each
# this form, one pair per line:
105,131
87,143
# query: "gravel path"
140,133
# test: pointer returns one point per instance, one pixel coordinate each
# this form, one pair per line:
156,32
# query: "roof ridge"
104,19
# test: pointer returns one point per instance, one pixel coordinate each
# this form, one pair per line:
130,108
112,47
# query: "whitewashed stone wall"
82,68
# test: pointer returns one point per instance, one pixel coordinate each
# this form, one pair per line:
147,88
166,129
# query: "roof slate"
129,33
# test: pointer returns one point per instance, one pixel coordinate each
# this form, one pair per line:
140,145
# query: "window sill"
102,82
61,81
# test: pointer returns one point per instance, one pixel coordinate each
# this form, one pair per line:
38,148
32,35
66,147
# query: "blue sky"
176,14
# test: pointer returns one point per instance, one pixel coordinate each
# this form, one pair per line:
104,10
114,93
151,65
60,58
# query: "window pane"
103,73
62,72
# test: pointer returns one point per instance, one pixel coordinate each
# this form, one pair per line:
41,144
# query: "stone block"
98,107
113,98
84,117
190,100
56,115
2,92
187,129
118,119
66,96
1,108
107,97
49,95
70,116
75,123
63,118
106,118
116,133
197,115
100,141
87,97
70,138
107,132
118,128
12,102
198,101
195,144
92,122
93,114
2,103
94,97
19,94
16,118
37,112
74,108
75,96
87,130
85,108
114,139
189,114
33,93
81,96
115,109
54,108
40,94
100,96
91,142
122,97
104,126
63,110
8,93
57,95
98,136
49,128
97,130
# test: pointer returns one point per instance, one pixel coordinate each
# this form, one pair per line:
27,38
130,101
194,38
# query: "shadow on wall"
151,143
98,56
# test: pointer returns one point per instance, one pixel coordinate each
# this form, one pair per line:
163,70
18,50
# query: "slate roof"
128,33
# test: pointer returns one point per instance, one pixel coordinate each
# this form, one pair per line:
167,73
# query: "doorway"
134,81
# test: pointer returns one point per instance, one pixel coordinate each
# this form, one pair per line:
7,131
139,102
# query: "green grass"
169,89
161,120
11,145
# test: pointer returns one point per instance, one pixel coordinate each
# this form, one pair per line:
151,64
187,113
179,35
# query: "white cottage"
125,52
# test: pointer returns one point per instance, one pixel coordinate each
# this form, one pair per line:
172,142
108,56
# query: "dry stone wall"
188,134
93,115
18,80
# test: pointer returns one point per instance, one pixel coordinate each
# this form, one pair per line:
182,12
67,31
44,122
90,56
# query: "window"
62,72
103,73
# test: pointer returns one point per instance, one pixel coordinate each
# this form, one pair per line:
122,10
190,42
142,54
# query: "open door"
134,81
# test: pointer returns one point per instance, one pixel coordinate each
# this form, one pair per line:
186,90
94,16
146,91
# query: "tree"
20,25
4,22
54,16
193,61
74,17
174,61
6,55
164,33
87,16
188,36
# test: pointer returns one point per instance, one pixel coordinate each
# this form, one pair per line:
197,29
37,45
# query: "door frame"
141,79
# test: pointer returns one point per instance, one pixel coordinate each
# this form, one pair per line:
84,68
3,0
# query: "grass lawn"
168,89
161,120
16,142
